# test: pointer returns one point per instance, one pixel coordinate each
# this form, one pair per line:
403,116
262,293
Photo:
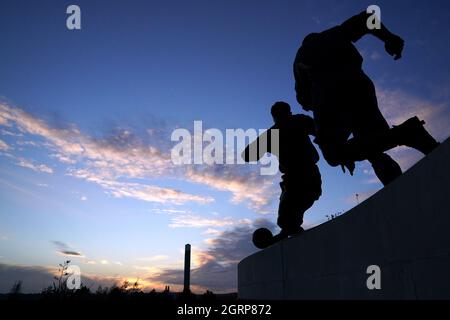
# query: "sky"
86,118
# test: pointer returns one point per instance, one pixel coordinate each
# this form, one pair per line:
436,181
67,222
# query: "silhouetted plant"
83,291
16,289
333,216
101,291
126,289
209,296
135,288
62,278
59,285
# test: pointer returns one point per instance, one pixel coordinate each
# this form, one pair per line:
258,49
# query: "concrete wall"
404,229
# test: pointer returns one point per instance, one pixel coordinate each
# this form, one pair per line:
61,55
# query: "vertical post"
187,268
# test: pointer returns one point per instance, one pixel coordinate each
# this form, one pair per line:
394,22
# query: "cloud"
43,185
139,191
4,146
103,161
122,154
215,268
168,211
397,106
212,231
70,253
7,132
29,164
247,187
405,157
27,143
158,257
112,160
375,55
83,198
64,159
157,194
36,278
195,221
217,265
63,249
35,167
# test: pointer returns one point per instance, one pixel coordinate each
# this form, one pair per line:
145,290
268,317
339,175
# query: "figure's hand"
394,46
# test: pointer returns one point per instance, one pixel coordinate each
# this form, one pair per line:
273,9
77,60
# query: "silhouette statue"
331,83
297,157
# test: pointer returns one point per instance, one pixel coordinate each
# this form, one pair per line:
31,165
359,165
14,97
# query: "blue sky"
86,118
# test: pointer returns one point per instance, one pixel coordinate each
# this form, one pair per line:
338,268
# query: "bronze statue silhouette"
301,182
331,83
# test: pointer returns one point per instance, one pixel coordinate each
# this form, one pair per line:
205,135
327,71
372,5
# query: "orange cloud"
107,162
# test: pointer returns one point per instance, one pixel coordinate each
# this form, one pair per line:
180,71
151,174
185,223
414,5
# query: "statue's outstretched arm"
356,27
258,148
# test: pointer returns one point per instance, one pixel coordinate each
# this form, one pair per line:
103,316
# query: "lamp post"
187,268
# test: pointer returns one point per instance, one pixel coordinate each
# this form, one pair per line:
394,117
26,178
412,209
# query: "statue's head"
281,111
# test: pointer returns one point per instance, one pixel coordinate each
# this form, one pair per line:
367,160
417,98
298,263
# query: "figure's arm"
356,27
307,123
258,148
